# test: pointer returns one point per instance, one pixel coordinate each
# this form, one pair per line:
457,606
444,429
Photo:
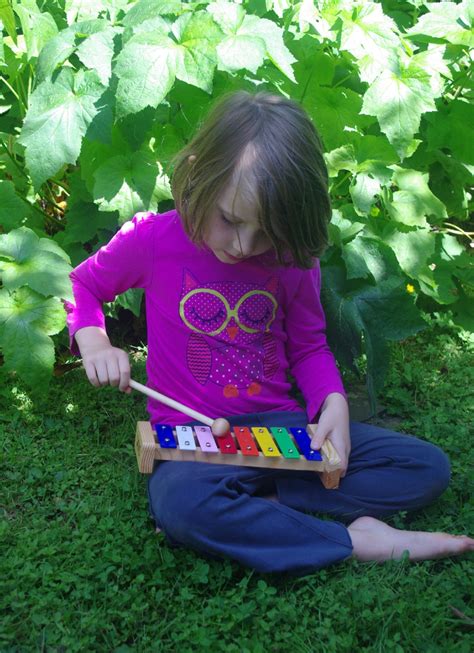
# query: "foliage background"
96,97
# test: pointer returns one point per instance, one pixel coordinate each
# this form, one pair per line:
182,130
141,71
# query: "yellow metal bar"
265,441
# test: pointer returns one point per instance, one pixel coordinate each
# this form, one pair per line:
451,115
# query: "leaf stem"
2,79
25,96
341,181
458,231
307,84
14,161
61,185
341,80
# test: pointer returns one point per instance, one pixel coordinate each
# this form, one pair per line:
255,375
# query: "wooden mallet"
219,426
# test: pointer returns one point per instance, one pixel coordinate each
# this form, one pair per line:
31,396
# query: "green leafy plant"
97,97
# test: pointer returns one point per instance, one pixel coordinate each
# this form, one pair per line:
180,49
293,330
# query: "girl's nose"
245,244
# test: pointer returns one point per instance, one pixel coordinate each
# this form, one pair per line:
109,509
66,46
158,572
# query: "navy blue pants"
219,510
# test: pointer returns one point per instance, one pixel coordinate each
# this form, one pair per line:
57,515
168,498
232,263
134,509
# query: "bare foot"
375,540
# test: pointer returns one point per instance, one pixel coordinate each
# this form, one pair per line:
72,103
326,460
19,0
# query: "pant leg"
215,509
387,472
211,509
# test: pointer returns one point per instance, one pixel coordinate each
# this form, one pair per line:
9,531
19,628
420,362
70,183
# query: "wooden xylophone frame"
148,450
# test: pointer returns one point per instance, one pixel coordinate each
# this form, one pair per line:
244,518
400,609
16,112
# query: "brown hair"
288,167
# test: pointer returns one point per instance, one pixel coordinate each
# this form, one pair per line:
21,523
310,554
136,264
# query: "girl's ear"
191,158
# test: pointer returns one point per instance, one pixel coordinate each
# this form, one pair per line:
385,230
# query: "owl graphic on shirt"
231,344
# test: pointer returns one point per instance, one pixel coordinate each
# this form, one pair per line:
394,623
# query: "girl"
232,284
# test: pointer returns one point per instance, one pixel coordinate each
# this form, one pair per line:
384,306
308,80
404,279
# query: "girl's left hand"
333,424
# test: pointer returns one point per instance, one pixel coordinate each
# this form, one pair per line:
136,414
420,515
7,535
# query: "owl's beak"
232,331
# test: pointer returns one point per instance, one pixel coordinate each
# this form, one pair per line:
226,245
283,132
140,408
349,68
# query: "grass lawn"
82,569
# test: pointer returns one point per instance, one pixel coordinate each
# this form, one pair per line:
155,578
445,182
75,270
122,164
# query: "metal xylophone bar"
271,448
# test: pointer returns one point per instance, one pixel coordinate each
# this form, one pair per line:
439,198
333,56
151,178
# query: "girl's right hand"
109,366
103,363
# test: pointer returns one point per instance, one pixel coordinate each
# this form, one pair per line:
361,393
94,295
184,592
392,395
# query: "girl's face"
232,231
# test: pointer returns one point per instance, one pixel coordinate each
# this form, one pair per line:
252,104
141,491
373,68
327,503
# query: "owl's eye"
219,315
247,319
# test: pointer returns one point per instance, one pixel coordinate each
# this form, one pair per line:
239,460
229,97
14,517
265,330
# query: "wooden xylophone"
273,448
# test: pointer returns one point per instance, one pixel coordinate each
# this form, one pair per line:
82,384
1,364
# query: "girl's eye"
224,220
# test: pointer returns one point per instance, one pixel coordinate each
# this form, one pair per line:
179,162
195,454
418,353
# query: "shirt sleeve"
125,262
310,359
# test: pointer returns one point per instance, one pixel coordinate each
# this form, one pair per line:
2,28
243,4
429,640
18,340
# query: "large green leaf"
365,256
413,250
249,40
449,259
94,154
312,64
27,320
38,27
96,53
84,220
57,119
13,210
463,312
79,10
364,191
433,61
59,48
55,53
197,35
452,128
26,260
167,143
150,61
452,180
131,299
398,98
144,10
188,106
414,200
8,18
335,111
367,313
342,229
308,14
146,68
278,6
130,183
449,21
367,154
370,36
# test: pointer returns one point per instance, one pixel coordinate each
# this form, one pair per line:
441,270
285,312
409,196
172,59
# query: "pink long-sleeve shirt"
221,337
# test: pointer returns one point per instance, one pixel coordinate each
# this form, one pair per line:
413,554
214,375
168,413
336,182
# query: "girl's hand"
103,363
333,424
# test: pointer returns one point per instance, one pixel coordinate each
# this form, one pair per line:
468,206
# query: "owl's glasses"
230,312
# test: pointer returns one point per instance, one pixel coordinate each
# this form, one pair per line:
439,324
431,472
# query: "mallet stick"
218,426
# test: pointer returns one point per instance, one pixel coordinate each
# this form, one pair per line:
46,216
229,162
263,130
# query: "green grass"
82,569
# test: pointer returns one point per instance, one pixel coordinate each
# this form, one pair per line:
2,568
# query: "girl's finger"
124,367
102,374
92,374
319,435
113,372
